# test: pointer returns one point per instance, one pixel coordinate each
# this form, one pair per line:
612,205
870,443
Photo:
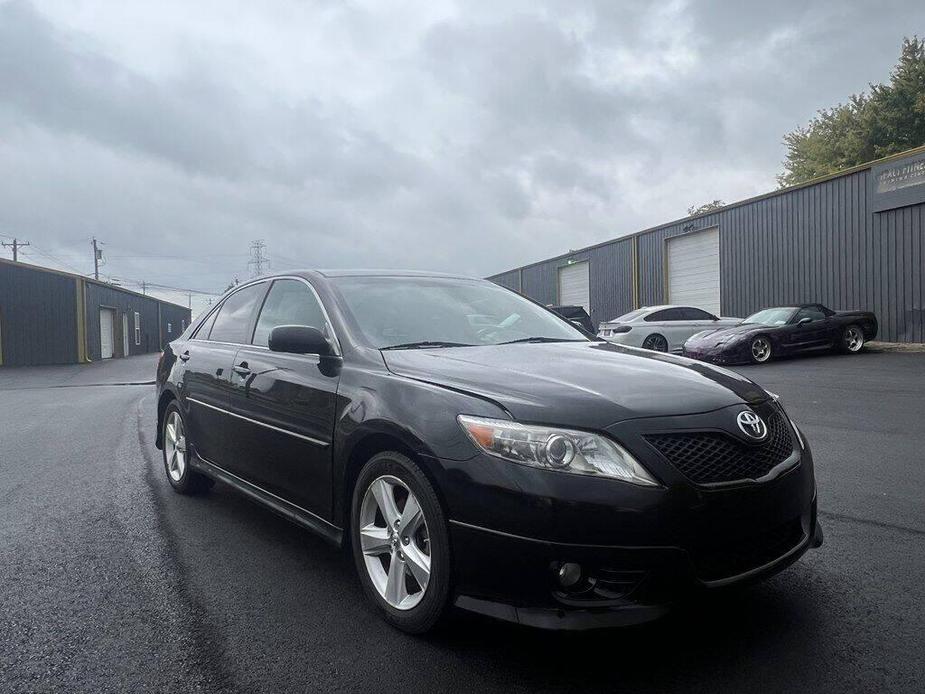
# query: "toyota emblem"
752,425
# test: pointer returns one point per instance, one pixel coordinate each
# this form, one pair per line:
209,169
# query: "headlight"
555,449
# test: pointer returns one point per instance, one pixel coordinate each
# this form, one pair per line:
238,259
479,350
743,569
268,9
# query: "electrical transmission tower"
259,262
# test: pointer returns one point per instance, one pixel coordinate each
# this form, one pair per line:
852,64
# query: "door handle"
185,356
241,369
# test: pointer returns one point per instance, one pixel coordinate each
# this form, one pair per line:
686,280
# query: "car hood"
714,337
578,384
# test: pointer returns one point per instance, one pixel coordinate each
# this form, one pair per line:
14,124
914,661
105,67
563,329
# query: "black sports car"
577,315
784,330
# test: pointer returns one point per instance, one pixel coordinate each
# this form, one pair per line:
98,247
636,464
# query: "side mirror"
299,339
577,324
804,321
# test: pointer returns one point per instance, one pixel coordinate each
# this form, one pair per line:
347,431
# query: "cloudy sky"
462,136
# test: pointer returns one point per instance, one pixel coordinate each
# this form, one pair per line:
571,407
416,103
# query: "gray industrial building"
52,317
852,240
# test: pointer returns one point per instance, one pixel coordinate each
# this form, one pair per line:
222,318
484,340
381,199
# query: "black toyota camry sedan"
472,448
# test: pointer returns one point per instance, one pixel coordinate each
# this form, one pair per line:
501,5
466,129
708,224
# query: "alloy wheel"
657,343
175,446
395,542
854,339
761,349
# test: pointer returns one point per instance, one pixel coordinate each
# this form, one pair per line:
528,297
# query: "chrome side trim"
317,442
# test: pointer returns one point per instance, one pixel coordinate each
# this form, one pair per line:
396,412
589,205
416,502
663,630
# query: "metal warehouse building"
51,317
853,240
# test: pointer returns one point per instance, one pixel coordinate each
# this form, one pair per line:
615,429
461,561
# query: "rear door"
208,358
285,405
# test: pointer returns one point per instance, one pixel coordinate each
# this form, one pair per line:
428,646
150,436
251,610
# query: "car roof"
307,272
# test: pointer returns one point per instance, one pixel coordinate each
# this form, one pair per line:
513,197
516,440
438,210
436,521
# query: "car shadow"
775,620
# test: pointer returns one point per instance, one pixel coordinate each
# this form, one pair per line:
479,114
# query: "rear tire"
406,576
852,339
180,474
655,342
760,350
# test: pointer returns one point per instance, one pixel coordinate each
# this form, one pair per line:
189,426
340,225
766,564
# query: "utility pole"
144,287
259,261
189,300
97,256
17,244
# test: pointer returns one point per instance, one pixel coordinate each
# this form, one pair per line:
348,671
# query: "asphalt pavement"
111,582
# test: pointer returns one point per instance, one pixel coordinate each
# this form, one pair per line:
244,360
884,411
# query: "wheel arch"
364,445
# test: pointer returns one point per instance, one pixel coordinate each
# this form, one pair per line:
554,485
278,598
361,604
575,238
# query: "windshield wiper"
425,344
537,340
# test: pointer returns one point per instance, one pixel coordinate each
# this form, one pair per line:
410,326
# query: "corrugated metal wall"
817,243
38,316
123,302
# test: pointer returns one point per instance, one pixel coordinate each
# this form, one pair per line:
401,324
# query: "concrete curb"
911,347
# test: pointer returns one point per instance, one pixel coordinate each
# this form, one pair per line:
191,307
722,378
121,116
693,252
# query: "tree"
706,207
888,120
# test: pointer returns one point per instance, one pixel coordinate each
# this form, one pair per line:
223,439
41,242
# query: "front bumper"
641,549
630,585
718,354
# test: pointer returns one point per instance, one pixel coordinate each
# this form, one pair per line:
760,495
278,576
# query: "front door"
811,334
285,405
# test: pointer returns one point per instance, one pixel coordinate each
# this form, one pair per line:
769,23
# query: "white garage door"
106,339
693,270
574,286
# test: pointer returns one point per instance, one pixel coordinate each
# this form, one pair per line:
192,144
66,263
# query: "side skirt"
278,505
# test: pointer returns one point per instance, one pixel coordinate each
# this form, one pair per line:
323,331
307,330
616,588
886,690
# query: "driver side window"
811,313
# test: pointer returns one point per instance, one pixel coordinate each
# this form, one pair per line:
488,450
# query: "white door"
124,334
106,338
693,270
575,286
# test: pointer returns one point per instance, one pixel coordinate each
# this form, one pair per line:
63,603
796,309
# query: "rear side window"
290,302
234,316
691,313
667,314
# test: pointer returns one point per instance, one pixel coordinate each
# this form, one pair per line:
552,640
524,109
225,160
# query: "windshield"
771,316
426,311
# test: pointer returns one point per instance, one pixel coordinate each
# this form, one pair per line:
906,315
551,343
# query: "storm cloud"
466,137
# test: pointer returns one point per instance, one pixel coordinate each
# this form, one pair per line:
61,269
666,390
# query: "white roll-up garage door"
106,336
575,286
693,270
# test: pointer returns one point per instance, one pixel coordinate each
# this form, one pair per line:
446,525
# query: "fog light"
569,574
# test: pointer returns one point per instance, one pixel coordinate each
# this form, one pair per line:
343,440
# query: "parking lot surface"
111,582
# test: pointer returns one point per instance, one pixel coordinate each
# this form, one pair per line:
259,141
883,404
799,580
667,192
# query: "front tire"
176,455
400,543
852,340
760,350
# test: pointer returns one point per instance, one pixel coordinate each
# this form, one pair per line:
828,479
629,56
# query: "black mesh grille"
708,457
